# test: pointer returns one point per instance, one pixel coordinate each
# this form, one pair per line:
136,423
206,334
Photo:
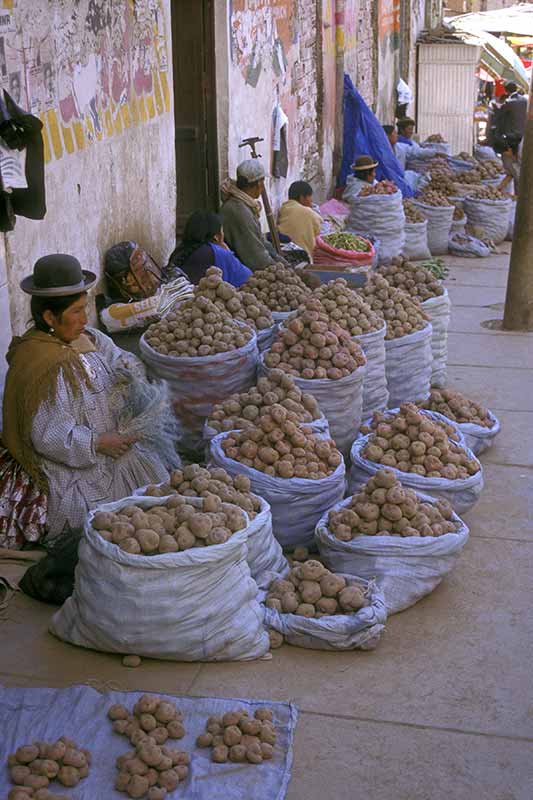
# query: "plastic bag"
477,437
416,241
461,244
375,392
340,401
438,310
437,147
379,215
462,493
196,384
51,580
405,569
490,216
196,605
439,223
296,503
484,153
358,631
408,364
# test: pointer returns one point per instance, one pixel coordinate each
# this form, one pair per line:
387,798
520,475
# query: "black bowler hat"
57,275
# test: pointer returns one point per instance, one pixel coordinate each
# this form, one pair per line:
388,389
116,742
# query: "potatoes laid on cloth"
315,608
33,767
197,481
242,411
383,507
422,448
197,328
280,288
151,718
402,313
397,419
313,347
347,308
238,304
172,527
414,279
240,738
280,448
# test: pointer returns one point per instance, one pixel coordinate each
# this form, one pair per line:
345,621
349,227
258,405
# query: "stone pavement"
443,709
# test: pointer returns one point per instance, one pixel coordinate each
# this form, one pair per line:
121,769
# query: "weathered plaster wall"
97,74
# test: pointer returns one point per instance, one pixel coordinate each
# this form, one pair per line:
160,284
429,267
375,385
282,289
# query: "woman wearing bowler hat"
364,169
63,453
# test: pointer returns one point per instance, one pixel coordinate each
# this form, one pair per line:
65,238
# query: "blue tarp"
363,135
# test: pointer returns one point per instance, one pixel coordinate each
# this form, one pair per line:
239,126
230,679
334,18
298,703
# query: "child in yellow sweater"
297,218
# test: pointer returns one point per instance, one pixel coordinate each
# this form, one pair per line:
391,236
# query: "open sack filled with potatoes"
314,608
406,541
165,577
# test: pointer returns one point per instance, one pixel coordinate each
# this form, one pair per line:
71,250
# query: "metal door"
194,107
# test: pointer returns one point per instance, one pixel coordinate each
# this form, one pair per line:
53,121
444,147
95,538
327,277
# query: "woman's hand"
114,444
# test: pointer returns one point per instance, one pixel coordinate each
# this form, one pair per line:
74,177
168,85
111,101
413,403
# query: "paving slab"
458,659
477,277
498,261
476,296
514,444
493,515
482,351
349,760
465,319
510,389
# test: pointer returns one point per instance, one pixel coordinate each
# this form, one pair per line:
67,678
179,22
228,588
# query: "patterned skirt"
23,506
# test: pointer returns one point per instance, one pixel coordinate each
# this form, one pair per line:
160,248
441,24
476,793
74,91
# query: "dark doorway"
193,48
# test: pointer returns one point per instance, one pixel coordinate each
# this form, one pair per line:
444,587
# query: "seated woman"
297,218
364,169
63,453
203,246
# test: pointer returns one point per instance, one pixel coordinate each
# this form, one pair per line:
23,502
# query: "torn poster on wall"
89,69
262,31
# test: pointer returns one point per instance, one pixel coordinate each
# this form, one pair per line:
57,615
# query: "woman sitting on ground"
63,453
203,246
364,169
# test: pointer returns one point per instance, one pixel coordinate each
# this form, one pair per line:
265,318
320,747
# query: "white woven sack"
438,147
196,605
375,392
438,310
510,230
458,225
478,438
491,216
265,555
416,241
340,401
265,338
408,363
382,216
461,493
280,316
406,569
296,503
358,631
439,223
196,384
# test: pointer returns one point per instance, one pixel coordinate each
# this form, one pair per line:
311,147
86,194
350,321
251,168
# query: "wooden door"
193,46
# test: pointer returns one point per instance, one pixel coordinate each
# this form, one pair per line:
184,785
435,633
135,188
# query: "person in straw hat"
62,453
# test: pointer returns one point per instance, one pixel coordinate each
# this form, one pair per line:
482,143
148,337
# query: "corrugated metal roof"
514,19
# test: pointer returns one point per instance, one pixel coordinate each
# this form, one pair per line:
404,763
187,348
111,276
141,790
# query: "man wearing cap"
514,113
364,168
65,450
240,214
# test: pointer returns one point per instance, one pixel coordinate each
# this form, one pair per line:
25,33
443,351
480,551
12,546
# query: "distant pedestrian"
514,112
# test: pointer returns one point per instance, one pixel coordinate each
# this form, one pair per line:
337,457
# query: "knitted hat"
251,170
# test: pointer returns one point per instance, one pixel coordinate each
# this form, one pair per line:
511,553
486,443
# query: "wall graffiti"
89,69
262,31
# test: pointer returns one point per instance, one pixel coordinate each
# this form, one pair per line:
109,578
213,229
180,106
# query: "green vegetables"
347,241
436,266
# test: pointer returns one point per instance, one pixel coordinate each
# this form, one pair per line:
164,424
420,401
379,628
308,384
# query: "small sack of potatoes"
416,280
278,287
239,738
389,418
347,309
241,305
476,423
33,767
402,313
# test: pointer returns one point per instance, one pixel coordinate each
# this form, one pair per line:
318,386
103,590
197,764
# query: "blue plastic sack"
363,135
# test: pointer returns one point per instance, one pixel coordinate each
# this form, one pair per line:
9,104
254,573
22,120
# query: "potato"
305,610
232,735
138,786
250,727
27,753
19,773
312,570
310,591
148,540
237,753
276,639
68,776
175,729
157,793
220,754
351,598
204,740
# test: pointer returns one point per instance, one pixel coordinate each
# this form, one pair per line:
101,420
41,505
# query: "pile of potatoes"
239,305
170,528
487,193
34,766
432,197
382,187
282,449
239,738
490,168
278,287
402,313
197,481
456,406
416,280
443,182
310,590
347,309
386,416
412,213
383,507
242,411
413,443
197,328
314,347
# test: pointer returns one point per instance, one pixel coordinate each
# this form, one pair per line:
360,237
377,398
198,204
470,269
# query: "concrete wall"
98,75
